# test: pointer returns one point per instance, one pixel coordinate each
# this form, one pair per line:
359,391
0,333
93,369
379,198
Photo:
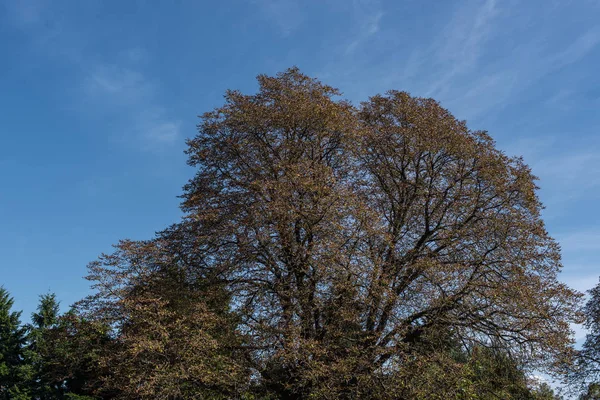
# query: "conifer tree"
39,349
14,373
73,349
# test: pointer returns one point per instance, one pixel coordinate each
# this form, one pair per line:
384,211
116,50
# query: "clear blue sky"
97,97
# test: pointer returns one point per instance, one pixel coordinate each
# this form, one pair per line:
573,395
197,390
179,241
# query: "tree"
346,234
47,312
445,368
36,350
586,371
592,392
73,349
174,337
13,370
327,246
544,392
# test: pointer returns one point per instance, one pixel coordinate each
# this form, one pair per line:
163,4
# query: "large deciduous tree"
348,237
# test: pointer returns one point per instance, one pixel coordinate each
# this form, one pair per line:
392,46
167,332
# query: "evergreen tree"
38,348
13,370
47,312
62,354
74,347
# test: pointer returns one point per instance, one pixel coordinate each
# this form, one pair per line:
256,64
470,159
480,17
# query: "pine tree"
47,312
39,349
73,347
13,369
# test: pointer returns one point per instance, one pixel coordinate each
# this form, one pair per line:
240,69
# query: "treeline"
52,357
67,356
328,251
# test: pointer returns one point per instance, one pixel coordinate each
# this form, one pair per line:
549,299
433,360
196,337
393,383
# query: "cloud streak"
131,93
461,44
578,49
115,85
286,15
469,65
368,15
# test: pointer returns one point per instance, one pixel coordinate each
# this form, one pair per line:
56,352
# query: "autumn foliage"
337,251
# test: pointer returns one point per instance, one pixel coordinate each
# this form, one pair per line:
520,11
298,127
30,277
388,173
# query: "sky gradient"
97,98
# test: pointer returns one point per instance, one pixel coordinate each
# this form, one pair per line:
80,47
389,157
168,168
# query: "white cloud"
367,14
118,87
119,83
461,44
578,49
461,67
158,131
286,15
130,93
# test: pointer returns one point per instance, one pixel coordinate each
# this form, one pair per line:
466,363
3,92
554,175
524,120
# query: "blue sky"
97,98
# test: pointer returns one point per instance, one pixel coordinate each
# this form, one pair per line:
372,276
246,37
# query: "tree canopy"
345,234
335,251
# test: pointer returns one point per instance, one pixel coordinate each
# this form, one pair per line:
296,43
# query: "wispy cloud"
156,129
578,49
568,170
568,177
529,65
286,15
367,14
461,44
131,93
118,85
469,68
